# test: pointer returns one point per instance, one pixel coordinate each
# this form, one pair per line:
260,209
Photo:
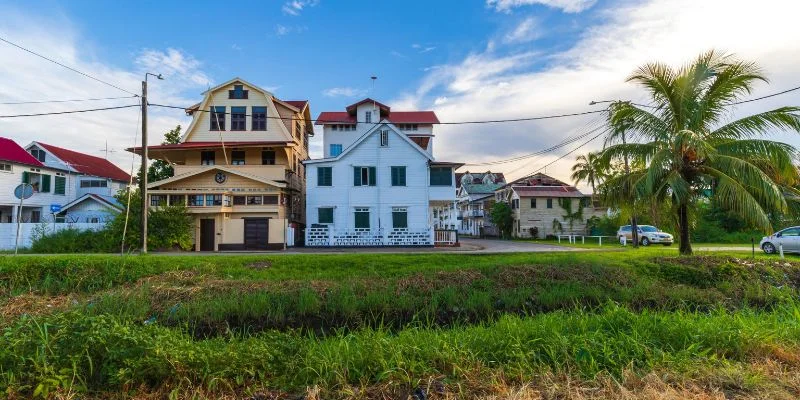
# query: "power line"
569,152
572,141
66,101
66,66
768,96
68,112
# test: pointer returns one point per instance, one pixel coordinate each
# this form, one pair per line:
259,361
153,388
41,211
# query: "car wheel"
768,248
645,241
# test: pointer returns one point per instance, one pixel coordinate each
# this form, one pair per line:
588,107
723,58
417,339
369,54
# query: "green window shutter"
356,176
441,176
398,176
324,176
372,176
362,219
45,183
325,215
533,202
26,178
60,185
549,203
400,219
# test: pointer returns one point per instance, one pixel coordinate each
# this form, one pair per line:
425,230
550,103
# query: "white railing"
324,236
446,237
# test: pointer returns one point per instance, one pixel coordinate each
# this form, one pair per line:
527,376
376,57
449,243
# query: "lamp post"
143,182
634,225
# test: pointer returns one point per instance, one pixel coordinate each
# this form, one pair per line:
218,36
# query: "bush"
74,241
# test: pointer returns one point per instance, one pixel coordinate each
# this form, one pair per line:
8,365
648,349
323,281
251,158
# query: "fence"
28,230
323,236
445,237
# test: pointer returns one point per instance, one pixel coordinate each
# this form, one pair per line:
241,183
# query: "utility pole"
143,182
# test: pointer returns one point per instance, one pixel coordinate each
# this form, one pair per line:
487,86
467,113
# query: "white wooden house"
379,183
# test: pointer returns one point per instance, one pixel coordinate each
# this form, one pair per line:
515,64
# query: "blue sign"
23,191
55,208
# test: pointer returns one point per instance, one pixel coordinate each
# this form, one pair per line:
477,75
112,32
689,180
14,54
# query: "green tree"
168,227
589,169
689,147
160,169
502,217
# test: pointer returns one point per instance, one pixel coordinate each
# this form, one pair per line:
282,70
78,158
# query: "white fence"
322,236
27,231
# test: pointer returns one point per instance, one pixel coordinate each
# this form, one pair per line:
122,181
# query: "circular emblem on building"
220,177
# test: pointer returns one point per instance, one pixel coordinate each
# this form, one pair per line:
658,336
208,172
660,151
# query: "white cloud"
569,6
282,30
26,77
526,31
344,92
295,7
488,85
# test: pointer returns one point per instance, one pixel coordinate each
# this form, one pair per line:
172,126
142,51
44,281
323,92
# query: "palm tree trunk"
683,226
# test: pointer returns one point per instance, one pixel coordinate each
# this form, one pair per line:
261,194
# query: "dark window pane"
398,176
238,200
324,176
207,158
549,203
238,118
217,118
325,215
400,219
268,157
441,176
237,157
259,118
271,200
362,219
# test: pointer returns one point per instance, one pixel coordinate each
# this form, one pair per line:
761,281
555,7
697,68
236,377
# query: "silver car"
788,238
648,235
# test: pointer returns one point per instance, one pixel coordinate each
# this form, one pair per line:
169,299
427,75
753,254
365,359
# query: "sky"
466,60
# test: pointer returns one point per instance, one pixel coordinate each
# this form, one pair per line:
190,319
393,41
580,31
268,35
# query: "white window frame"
384,138
368,117
4,165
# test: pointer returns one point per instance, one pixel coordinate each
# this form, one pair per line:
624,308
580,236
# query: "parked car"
789,238
648,234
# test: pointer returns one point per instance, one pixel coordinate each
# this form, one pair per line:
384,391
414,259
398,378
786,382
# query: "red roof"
11,151
297,103
395,117
86,164
200,145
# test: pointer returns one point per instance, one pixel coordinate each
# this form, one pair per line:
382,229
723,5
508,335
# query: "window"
195,200
398,176
364,176
213,200
441,176
514,204
60,186
94,183
238,92
259,115
238,118
336,149
399,217
157,200
271,200
217,118
384,138
40,182
93,220
39,154
325,215
237,157
36,216
533,203
239,200
549,203
362,218
267,157
5,167
408,127
207,158
177,199
368,117
324,176
254,200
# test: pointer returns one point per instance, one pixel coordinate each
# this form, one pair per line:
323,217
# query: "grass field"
628,324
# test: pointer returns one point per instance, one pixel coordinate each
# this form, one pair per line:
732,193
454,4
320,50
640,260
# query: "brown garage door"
256,232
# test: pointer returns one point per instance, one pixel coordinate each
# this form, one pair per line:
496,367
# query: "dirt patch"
33,304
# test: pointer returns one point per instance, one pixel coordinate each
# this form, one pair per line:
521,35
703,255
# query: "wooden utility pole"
143,181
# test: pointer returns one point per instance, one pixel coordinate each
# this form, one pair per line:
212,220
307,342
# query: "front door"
207,235
256,233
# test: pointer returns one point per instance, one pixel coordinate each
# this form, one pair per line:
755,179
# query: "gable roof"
104,200
365,136
395,117
218,167
86,164
12,152
351,109
221,85
299,104
541,185
482,188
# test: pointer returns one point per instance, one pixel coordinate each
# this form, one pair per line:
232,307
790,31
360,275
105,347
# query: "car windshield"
648,228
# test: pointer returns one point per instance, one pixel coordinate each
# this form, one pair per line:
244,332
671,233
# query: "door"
256,233
790,238
207,233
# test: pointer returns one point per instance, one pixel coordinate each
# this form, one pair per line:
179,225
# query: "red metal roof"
11,151
395,117
297,103
86,164
200,145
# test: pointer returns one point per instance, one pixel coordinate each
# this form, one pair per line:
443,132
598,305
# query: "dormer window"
238,92
39,154
368,117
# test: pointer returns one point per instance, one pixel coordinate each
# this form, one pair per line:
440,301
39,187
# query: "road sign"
55,208
23,191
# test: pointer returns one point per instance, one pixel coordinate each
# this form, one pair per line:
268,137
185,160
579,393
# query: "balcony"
271,172
472,213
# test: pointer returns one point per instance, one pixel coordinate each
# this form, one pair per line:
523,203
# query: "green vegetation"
386,325
503,218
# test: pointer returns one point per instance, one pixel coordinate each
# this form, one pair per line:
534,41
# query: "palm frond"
783,118
753,179
735,197
636,124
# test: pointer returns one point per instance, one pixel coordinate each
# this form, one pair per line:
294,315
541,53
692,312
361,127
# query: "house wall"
88,209
111,189
39,200
380,199
542,217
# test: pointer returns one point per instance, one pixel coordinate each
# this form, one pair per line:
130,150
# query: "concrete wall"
8,232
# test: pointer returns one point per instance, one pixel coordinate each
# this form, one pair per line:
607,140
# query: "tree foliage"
168,227
160,169
689,149
502,217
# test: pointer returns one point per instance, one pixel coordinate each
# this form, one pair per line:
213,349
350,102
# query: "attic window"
39,154
384,138
238,92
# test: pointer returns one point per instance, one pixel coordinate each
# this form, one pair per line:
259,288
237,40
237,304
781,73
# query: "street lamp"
143,182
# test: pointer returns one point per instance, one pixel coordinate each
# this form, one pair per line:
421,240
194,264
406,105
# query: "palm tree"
689,146
587,169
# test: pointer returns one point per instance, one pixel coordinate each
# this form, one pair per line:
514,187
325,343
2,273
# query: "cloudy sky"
473,60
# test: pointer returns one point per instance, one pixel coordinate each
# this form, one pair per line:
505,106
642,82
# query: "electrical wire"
66,101
521,167
68,112
767,96
568,153
67,67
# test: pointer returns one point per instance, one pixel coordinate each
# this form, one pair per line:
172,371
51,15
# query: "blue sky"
466,60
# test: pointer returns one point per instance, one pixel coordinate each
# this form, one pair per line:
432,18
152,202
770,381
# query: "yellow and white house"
238,168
